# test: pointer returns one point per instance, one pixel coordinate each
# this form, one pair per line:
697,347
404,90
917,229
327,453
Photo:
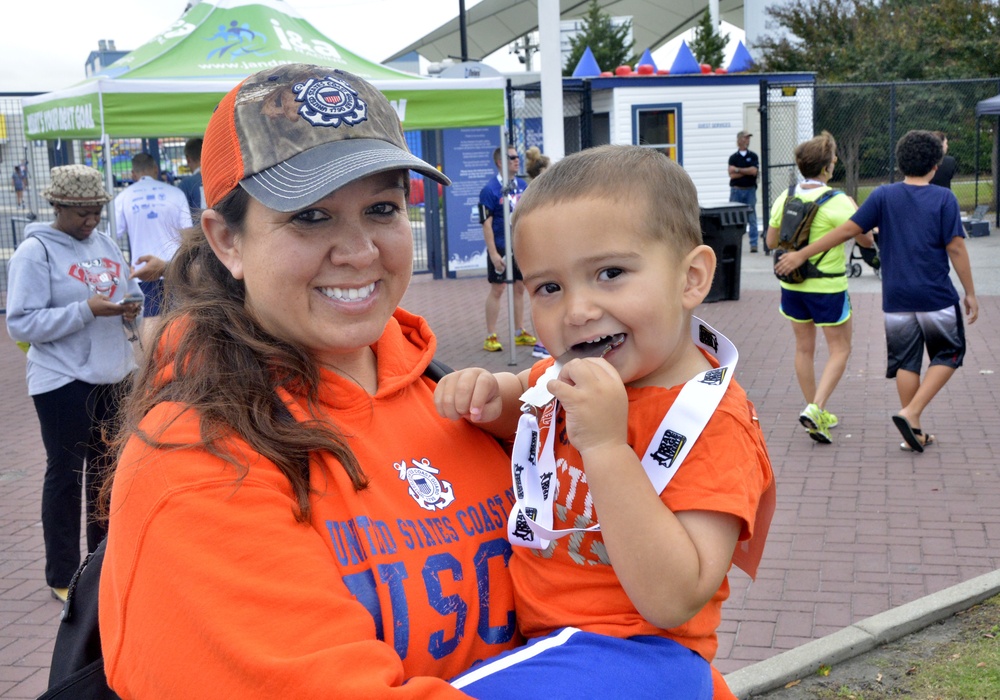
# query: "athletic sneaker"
492,344
524,338
831,420
814,422
539,351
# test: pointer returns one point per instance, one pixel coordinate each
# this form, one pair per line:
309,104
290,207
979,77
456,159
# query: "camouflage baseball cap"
293,134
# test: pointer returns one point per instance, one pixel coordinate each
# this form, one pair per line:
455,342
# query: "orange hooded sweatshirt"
210,588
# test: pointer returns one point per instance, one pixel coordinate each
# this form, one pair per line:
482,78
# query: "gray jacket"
50,278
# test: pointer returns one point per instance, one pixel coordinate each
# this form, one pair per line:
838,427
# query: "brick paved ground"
860,527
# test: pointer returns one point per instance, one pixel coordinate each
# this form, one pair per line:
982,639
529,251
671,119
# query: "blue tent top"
742,60
587,67
685,62
647,60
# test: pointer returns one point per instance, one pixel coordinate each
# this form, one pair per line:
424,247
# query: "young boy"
609,243
920,230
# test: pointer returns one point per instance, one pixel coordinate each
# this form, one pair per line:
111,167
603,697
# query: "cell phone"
132,298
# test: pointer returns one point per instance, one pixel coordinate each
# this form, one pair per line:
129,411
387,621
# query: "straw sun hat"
76,186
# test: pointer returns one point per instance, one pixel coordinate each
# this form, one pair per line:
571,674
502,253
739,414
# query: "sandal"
925,441
909,433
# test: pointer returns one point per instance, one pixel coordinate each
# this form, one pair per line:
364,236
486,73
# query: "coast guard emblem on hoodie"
427,490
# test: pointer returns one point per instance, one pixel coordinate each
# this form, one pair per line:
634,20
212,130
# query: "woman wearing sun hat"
66,282
289,516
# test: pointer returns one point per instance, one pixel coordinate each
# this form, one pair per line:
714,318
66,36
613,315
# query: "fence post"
765,158
892,132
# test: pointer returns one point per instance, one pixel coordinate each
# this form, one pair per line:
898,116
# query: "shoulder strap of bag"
820,201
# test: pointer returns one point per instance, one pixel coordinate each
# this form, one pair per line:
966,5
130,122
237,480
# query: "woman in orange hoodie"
290,517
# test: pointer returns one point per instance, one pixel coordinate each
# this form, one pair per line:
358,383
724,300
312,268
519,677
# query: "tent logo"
330,102
239,39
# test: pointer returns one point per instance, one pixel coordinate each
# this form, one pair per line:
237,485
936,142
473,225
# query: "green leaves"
605,40
883,40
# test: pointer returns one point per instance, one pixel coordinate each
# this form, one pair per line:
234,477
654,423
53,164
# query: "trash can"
722,228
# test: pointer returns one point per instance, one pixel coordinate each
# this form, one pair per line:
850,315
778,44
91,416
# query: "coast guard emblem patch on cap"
330,102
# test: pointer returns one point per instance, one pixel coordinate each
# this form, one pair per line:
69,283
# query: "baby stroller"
868,255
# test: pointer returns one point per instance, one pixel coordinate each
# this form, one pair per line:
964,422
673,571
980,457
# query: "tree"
605,40
708,45
884,40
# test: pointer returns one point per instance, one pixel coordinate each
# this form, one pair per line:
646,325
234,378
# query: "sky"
45,44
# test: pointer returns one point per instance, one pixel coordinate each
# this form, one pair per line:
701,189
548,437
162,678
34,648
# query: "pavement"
868,542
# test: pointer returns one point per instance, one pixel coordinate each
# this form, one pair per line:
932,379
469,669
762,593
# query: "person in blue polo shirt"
491,208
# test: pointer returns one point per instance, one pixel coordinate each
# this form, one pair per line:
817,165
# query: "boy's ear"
224,241
699,270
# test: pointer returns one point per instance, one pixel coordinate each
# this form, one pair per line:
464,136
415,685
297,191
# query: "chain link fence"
867,119
526,118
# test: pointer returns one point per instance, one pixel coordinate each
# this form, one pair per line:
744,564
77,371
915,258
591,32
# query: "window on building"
658,126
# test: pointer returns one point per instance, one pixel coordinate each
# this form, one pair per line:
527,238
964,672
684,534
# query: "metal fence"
867,119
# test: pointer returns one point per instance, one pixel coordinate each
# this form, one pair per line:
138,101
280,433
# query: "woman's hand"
101,305
130,310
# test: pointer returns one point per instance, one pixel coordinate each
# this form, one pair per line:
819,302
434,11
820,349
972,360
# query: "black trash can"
722,228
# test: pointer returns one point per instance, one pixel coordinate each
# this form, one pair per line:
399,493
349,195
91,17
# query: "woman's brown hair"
212,356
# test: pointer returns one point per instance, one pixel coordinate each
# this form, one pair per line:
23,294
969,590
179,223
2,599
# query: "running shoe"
492,344
539,351
525,338
831,420
811,417
814,422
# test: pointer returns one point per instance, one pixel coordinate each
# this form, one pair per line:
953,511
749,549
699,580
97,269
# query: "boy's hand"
473,394
499,263
596,404
792,260
148,268
971,308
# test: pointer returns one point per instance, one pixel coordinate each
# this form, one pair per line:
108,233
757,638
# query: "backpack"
77,669
796,226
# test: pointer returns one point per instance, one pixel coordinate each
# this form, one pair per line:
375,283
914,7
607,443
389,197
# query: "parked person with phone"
69,293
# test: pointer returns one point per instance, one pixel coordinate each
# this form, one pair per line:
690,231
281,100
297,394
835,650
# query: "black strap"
41,243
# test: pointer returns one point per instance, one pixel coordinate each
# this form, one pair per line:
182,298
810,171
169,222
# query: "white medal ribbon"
534,469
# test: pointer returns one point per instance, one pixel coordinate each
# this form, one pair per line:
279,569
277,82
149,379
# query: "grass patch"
965,191
958,661
968,668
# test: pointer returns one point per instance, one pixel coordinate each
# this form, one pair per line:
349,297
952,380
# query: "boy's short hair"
917,152
623,174
814,155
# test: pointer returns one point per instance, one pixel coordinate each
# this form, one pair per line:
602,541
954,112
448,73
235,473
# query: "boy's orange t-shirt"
572,582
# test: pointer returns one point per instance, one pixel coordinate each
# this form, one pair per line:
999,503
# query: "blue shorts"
570,663
823,309
153,292
908,333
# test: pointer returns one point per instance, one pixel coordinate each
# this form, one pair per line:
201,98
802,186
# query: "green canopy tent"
170,85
